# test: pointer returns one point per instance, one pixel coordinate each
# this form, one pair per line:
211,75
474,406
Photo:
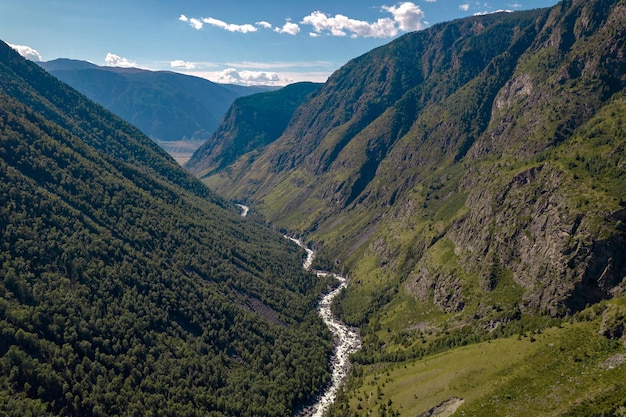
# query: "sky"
247,42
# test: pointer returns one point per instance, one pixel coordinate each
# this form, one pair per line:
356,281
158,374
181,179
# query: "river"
347,340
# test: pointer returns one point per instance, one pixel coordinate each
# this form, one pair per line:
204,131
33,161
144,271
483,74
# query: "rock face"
445,409
480,159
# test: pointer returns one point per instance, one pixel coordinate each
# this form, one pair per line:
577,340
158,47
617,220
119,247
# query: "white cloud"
264,73
495,11
407,16
113,60
264,24
340,25
180,64
194,23
245,77
465,7
229,26
27,52
289,27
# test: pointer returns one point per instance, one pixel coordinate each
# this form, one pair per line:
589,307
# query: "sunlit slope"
445,159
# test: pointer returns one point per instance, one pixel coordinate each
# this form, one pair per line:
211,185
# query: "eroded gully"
346,339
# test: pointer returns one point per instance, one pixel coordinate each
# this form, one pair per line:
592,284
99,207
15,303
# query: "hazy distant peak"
65,64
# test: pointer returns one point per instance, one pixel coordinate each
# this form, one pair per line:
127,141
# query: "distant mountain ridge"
166,106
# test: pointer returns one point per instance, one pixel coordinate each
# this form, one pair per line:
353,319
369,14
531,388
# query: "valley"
177,111
129,288
347,341
461,191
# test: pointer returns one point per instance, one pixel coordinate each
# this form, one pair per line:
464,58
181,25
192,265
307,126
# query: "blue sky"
238,41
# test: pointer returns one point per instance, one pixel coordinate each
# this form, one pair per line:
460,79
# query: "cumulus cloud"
289,28
113,60
406,17
245,77
264,24
246,28
340,25
180,64
465,7
27,52
492,12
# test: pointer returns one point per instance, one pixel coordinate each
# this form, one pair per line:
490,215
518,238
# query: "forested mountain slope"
126,286
250,124
470,177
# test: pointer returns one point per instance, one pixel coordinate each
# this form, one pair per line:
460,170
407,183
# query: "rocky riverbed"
347,339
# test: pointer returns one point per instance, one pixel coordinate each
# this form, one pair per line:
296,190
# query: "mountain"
168,107
126,286
251,123
430,115
471,179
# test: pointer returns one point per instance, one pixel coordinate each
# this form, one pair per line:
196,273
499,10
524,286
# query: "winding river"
347,340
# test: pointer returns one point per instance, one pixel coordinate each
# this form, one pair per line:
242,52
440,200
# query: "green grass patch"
554,372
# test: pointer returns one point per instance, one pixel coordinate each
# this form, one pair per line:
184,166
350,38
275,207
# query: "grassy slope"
565,370
489,375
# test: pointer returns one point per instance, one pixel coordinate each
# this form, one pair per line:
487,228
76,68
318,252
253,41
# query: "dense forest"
127,288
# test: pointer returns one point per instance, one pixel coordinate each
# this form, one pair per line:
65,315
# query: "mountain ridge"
470,179
251,123
167,106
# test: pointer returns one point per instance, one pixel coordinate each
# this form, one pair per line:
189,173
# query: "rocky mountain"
251,123
470,177
171,108
126,286
463,128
